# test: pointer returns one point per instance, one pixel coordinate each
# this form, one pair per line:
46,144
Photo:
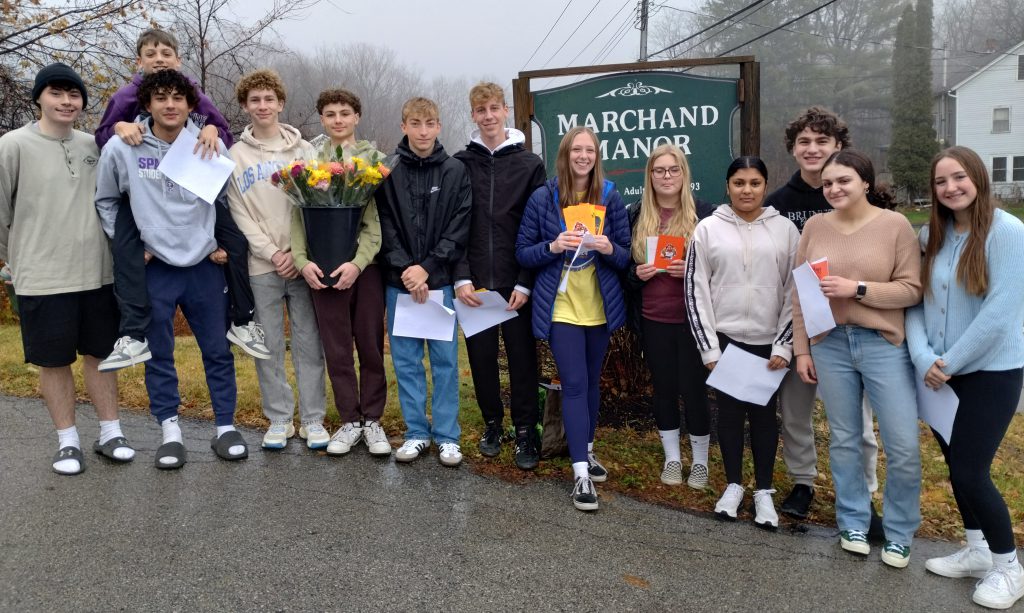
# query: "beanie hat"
56,73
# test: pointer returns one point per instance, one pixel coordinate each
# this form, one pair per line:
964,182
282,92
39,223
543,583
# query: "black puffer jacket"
424,208
502,183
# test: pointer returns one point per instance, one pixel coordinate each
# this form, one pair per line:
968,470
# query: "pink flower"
275,179
297,170
335,168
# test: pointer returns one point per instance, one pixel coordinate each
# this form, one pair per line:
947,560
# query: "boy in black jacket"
503,174
424,208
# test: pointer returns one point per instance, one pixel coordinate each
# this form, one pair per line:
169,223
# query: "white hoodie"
739,281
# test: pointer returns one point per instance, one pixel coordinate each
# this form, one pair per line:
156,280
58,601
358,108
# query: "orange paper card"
579,217
820,267
669,248
598,218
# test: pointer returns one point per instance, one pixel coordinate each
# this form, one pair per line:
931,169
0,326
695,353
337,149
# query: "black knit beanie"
58,73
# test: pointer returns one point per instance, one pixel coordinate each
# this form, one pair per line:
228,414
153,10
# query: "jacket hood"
725,212
797,183
151,140
291,137
513,137
408,156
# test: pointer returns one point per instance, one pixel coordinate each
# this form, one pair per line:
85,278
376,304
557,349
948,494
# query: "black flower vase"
331,237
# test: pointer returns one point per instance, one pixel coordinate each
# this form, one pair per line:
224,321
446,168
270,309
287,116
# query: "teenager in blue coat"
578,301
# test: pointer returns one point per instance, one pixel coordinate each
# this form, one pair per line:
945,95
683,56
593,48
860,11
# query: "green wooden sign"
635,112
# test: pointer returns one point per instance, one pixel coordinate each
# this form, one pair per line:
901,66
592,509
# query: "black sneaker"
798,503
584,496
527,456
876,533
490,442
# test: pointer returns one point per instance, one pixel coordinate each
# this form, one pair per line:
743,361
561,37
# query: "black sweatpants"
988,400
676,370
130,270
764,428
521,351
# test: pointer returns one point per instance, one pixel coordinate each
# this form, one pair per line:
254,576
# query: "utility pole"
643,29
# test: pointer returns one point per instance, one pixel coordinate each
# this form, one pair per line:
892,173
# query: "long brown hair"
972,271
684,217
566,193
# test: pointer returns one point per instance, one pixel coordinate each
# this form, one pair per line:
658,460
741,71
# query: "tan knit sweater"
884,253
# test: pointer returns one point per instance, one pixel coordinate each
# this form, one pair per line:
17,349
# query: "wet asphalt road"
296,531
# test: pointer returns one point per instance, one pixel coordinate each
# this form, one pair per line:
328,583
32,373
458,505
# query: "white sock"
699,447
234,449
68,437
581,470
171,434
590,448
976,539
1004,559
670,443
111,429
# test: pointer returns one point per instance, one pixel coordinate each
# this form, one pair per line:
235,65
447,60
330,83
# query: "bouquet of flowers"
338,178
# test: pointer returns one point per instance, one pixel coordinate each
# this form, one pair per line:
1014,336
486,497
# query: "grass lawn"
632,457
919,216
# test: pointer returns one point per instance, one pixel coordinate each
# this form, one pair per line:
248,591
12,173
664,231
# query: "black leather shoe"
798,503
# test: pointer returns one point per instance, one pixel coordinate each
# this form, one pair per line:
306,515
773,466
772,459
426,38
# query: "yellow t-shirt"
581,303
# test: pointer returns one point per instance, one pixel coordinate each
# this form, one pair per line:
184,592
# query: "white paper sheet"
564,285
652,246
430,320
814,305
744,376
937,408
492,312
204,178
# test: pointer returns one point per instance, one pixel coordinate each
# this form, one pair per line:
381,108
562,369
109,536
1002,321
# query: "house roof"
999,57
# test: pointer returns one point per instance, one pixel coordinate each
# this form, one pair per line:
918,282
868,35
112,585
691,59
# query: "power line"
594,38
614,45
612,40
773,30
571,34
716,24
550,30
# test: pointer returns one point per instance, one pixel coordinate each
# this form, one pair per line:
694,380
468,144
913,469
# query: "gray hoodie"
175,225
739,281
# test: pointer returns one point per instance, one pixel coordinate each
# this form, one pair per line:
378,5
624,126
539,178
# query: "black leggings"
764,429
988,401
676,370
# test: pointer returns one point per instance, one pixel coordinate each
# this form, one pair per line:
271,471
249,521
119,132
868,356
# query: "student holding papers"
738,288
579,320
967,334
874,274
667,208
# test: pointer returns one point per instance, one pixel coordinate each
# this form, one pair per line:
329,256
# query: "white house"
985,112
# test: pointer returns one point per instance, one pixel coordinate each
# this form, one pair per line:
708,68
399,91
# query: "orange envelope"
579,217
669,248
599,212
820,267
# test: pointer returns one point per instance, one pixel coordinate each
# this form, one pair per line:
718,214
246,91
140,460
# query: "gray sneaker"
127,352
250,338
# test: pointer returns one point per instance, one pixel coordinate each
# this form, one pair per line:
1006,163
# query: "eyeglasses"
672,171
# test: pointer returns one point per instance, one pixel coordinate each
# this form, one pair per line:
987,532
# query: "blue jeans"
407,358
850,361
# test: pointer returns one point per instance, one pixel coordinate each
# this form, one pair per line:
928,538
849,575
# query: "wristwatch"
862,290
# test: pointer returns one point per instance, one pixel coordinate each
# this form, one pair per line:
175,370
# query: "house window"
1001,119
1020,67
1018,168
999,170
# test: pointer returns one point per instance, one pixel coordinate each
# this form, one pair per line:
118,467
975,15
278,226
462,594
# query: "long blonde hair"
595,189
683,219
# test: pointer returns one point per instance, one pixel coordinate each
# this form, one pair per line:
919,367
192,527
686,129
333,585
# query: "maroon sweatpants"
356,314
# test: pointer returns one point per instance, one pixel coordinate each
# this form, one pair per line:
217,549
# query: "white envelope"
430,320
814,306
204,178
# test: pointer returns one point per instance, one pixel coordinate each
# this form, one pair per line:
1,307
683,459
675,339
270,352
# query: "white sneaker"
277,435
250,338
127,352
672,473
450,454
316,436
376,439
1002,586
411,449
968,562
730,501
344,439
764,510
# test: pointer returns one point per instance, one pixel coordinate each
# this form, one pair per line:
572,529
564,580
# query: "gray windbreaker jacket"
175,225
739,281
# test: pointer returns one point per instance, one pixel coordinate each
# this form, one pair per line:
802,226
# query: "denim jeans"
851,361
407,358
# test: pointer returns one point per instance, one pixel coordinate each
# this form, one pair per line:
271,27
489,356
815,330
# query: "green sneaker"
896,555
855,541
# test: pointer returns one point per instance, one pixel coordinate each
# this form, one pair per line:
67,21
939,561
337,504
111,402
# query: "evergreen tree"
913,137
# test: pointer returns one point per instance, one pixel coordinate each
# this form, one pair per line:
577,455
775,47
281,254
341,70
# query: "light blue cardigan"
972,333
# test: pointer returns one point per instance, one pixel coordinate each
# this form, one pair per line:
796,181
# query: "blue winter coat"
542,223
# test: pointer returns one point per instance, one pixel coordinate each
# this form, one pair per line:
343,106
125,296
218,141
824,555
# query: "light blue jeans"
407,359
850,362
